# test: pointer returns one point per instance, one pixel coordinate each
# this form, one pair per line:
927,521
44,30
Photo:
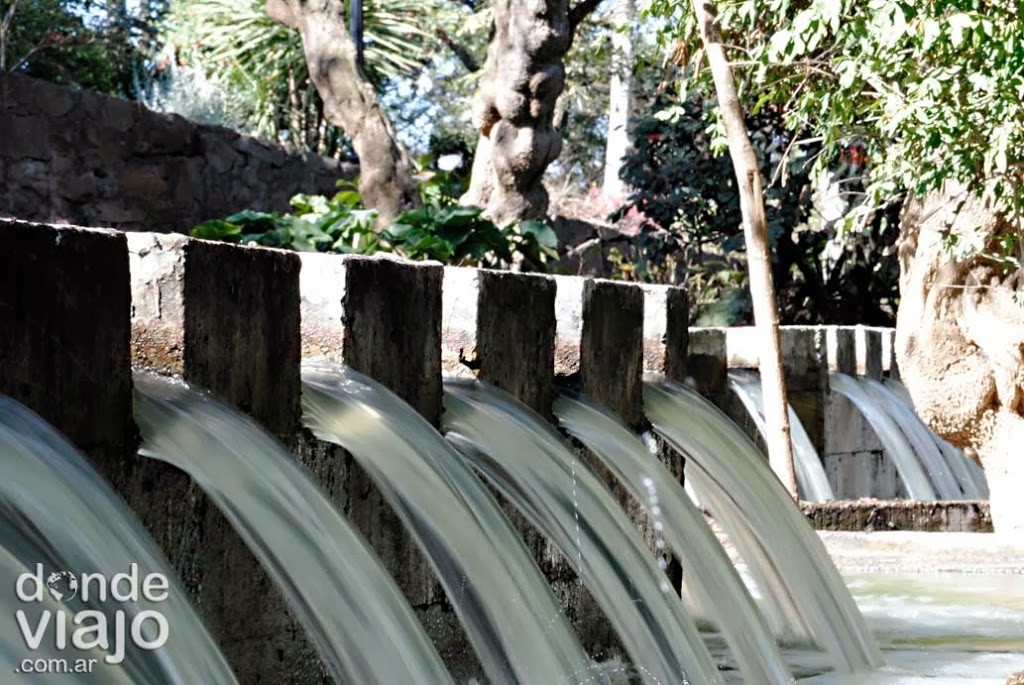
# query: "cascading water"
968,474
325,569
55,510
943,481
13,644
740,480
916,482
528,462
810,474
503,600
706,565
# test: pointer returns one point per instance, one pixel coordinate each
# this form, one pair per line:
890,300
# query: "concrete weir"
80,307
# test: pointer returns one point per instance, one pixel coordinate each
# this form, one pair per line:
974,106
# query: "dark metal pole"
356,10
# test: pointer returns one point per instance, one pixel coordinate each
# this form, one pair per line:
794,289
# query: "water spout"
810,474
919,437
528,462
55,510
916,482
706,565
361,625
507,608
732,475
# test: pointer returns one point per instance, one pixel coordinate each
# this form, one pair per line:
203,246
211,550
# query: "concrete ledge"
515,339
612,347
65,300
242,329
391,318
909,515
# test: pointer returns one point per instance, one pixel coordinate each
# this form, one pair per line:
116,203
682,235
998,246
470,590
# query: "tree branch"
580,12
460,51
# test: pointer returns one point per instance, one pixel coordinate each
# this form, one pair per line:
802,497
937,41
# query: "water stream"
56,510
322,566
810,474
526,459
913,476
503,600
721,456
919,437
707,568
968,474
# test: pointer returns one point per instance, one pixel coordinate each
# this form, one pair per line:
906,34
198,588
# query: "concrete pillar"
805,363
707,363
380,316
517,353
226,318
611,347
666,330
869,352
842,349
391,316
65,303
853,458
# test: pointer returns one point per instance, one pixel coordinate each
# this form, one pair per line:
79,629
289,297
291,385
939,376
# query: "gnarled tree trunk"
514,106
385,177
960,340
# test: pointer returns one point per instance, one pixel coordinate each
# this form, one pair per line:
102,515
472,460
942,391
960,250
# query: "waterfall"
363,628
810,474
526,459
706,565
732,476
916,482
497,590
55,510
967,472
919,437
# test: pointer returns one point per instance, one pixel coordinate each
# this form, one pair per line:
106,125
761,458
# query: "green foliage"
236,45
931,89
51,40
438,230
686,193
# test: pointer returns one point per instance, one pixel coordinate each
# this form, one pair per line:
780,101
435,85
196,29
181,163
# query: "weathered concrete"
517,353
869,352
72,155
391,316
64,334
382,317
707,363
569,324
460,292
242,329
611,348
666,330
854,460
227,317
959,516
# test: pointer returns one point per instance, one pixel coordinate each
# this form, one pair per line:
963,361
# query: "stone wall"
70,156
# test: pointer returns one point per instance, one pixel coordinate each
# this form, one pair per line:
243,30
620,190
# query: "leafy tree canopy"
932,89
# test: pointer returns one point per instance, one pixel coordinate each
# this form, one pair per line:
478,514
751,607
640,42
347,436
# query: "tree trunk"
514,106
385,181
960,337
620,97
755,231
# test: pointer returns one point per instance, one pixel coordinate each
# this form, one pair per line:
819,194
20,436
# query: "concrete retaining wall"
74,156
78,307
